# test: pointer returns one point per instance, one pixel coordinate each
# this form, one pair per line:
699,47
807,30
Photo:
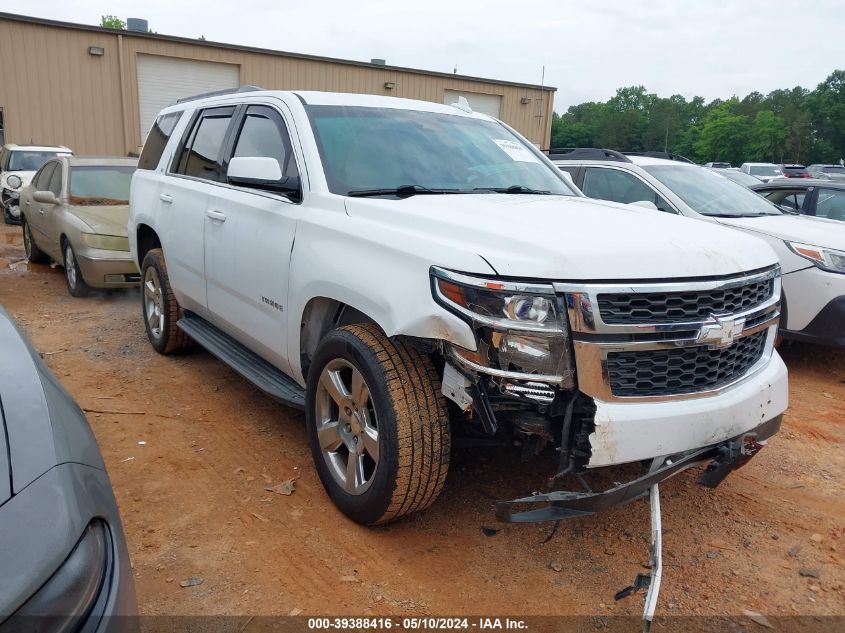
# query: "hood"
797,228
569,238
105,220
44,426
25,176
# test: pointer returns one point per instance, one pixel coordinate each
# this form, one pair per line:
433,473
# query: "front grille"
682,307
682,370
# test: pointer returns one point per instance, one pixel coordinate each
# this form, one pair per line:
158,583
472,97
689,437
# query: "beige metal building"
98,90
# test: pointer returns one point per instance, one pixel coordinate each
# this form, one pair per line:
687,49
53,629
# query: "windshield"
764,170
711,194
366,149
92,185
834,170
28,161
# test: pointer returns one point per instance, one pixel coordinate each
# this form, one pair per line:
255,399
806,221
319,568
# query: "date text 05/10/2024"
417,623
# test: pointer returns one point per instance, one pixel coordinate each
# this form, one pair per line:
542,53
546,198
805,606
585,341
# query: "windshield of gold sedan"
100,185
367,150
711,194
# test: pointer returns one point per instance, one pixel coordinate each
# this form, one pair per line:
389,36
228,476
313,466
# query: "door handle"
217,216
166,198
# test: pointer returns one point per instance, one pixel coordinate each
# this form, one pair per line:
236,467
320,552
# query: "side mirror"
262,172
46,197
645,204
254,169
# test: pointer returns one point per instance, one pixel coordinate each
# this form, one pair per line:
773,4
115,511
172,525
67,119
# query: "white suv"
405,270
811,250
18,164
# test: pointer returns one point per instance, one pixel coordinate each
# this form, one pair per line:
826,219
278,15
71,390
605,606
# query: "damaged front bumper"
724,458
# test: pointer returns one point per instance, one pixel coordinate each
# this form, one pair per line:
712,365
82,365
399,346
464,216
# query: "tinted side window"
42,178
56,181
831,204
264,134
619,186
4,160
571,170
201,155
157,140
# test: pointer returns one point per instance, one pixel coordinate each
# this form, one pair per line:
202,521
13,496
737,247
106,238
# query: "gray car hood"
44,427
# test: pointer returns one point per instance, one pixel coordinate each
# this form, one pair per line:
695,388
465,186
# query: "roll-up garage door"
163,80
479,102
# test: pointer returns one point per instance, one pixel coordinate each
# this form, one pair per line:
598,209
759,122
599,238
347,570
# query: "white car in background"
762,171
811,250
18,164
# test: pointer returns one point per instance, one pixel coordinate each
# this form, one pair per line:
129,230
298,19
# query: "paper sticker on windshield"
517,151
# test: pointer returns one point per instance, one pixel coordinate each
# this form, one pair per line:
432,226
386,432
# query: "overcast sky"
712,48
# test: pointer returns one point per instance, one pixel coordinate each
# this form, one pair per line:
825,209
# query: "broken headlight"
520,328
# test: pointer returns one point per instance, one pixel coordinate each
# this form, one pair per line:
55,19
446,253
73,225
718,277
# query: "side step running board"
248,364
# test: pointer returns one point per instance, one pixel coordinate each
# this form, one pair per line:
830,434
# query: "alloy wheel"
70,266
153,303
347,426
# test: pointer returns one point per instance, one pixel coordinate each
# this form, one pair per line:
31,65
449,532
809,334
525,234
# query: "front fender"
380,272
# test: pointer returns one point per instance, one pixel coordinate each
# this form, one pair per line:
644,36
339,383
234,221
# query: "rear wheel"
76,285
159,306
33,253
377,425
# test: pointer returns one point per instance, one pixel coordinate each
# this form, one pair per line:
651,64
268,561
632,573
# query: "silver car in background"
75,212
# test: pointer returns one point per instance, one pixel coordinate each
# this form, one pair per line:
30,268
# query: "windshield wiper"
513,189
402,191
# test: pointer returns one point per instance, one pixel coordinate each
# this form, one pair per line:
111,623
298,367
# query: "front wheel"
377,425
76,285
8,216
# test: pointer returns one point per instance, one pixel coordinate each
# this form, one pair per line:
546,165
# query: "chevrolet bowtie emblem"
720,332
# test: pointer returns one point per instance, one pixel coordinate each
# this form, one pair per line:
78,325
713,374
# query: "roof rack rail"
218,93
664,155
586,153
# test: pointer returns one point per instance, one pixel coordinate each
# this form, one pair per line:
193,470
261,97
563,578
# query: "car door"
249,235
829,203
52,214
607,183
35,211
195,171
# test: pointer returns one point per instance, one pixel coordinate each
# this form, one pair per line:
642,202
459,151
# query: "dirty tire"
76,285
413,424
164,335
33,253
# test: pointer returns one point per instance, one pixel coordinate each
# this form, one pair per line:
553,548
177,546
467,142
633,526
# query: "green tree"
112,22
827,107
786,125
766,137
723,135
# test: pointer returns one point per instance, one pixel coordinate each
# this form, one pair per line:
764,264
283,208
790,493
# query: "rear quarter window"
157,140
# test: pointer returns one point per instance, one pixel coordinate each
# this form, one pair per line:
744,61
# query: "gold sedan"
75,211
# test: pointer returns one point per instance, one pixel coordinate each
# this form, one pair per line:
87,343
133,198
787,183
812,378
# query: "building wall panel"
55,92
